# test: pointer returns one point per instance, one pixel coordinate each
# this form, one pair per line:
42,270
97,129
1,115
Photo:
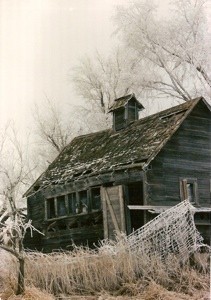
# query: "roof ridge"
90,134
188,103
145,118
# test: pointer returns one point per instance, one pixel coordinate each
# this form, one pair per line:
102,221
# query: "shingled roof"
107,150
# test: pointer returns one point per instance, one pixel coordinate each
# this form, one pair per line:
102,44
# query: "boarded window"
61,207
51,212
189,190
72,203
95,199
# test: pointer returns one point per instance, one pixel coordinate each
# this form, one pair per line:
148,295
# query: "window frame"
74,210
71,198
184,190
81,205
48,213
119,118
58,209
55,199
92,197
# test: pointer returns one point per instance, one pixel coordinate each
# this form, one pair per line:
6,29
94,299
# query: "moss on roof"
107,150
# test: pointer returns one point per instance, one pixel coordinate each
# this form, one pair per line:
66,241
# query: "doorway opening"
135,196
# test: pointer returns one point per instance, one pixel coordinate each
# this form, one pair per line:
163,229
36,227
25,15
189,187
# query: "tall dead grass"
109,272
91,272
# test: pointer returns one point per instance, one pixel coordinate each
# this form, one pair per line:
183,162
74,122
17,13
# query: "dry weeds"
31,293
103,275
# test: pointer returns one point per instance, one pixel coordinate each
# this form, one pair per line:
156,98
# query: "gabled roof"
121,102
107,150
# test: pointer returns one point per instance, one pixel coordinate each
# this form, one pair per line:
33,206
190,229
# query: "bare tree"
173,53
104,79
53,128
158,58
14,178
15,170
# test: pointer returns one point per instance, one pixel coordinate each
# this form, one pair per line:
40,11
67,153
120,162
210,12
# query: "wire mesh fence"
173,231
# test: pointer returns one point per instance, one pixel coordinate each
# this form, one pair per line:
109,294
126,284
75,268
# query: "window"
95,199
56,207
119,119
82,204
61,207
72,203
132,112
51,208
189,190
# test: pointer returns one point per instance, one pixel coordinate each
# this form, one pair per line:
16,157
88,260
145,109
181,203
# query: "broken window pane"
83,202
72,203
96,200
61,208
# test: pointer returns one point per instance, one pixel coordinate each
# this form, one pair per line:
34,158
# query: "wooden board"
113,211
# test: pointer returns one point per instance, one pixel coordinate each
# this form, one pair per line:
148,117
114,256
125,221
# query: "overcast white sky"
40,41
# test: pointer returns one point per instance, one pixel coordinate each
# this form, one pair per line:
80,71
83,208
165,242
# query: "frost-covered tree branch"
50,126
104,79
158,57
177,49
14,178
54,128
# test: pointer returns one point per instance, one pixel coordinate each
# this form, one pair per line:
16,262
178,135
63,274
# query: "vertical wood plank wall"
186,155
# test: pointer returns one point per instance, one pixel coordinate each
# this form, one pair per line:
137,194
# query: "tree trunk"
21,286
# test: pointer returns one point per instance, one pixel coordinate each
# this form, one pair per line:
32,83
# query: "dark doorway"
135,197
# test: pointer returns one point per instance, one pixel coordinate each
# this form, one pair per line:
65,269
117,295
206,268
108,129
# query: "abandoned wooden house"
119,179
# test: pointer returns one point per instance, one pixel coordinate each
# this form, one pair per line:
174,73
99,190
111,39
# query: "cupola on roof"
122,101
125,111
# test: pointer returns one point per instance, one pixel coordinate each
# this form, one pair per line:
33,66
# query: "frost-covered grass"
108,274
89,272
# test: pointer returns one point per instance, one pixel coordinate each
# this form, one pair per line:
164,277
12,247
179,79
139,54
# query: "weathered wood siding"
35,212
113,211
64,239
83,234
186,155
36,209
